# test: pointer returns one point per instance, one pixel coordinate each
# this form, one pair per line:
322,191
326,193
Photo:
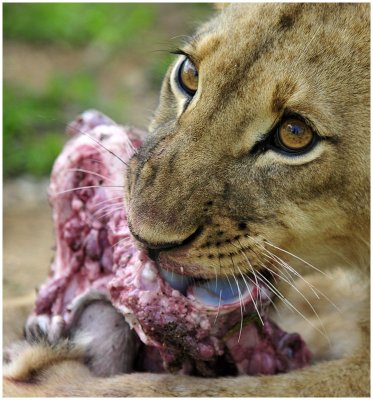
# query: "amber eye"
188,77
295,136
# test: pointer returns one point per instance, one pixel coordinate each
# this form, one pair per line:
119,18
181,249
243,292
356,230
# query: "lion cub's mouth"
223,292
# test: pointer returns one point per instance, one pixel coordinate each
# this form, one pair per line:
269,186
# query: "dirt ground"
28,236
27,250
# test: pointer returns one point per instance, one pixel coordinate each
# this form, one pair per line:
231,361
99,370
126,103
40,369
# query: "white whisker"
88,187
111,212
298,258
271,259
288,303
70,126
217,314
288,267
241,308
252,299
229,282
252,269
108,207
216,279
273,304
133,148
126,239
112,199
89,172
300,293
317,292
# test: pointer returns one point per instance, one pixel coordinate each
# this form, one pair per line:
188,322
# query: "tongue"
212,292
221,291
176,281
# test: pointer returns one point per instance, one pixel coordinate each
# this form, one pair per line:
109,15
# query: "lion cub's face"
260,142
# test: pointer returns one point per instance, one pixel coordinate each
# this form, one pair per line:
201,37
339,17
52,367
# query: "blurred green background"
60,59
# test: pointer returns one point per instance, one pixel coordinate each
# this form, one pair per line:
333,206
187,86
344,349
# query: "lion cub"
261,137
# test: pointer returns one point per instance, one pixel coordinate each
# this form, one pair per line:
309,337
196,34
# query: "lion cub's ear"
220,6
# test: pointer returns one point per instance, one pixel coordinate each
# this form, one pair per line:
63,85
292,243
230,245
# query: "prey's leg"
110,346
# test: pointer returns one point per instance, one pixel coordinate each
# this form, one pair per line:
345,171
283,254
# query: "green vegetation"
77,24
33,123
100,37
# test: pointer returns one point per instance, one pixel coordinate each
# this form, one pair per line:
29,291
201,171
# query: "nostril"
159,246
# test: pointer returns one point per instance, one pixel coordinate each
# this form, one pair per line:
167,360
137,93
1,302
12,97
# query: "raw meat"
186,327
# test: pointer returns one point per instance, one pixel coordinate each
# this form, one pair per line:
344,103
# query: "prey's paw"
43,328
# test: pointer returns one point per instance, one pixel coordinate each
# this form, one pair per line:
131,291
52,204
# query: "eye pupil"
295,135
295,129
188,77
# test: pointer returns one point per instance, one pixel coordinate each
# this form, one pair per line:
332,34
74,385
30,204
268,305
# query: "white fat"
76,204
148,273
204,324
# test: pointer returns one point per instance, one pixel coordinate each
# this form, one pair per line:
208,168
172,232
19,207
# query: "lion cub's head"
260,145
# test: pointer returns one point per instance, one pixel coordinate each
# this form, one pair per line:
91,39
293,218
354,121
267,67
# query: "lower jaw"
223,294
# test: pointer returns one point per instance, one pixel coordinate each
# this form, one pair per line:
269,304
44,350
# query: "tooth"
176,281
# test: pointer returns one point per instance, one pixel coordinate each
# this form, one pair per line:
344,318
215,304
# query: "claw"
43,328
56,329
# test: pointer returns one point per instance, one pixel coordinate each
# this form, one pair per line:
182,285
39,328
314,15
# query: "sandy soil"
28,237
27,250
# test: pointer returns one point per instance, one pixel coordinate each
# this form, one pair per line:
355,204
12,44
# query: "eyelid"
291,114
264,141
176,80
182,99
191,57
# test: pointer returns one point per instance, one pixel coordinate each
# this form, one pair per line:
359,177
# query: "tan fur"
195,170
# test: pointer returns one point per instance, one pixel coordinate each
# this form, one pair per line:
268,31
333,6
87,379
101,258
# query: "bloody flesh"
95,250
